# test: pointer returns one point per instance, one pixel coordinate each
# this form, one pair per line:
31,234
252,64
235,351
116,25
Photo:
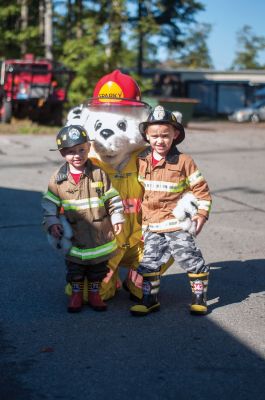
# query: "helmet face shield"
139,111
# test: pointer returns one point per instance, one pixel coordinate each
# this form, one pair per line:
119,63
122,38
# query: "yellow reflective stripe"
152,274
82,204
170,223
199,275
110,193
204,205
195,178
90,254
160,186
50,196
98,184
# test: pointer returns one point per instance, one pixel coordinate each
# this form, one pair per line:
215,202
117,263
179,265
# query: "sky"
227,17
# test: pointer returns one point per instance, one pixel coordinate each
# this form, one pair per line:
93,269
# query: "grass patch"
27,127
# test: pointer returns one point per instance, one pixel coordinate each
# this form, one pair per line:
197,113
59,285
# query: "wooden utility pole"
48,34
24,14
140,39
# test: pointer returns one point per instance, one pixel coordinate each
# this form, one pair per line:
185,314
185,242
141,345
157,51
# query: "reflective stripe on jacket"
87,206
164,184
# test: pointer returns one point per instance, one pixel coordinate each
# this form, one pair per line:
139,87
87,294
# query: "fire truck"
33,88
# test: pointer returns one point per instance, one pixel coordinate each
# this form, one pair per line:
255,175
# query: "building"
219,92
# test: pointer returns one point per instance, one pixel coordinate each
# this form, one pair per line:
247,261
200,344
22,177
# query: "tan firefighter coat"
87,206
164,184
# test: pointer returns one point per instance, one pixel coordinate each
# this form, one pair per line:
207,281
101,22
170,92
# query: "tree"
83,50
195,53
115,19
249,46
162,21
10,28
24,15
48,31
93,37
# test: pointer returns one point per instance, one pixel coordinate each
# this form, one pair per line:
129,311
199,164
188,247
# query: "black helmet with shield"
70,136
159,115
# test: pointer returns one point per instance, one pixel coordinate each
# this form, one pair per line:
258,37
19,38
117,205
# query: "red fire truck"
33,88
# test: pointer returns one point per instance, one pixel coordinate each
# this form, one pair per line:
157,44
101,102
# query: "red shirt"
154,160
76,177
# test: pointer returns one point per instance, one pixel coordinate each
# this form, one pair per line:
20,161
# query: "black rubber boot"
199,285
149,302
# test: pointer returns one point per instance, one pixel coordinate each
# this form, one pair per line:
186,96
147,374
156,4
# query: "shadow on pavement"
50,354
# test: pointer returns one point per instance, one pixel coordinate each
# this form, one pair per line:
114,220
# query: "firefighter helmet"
70,136
159,115
117,88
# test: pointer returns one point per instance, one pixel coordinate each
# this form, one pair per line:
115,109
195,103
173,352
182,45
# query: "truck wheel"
57,115
6,111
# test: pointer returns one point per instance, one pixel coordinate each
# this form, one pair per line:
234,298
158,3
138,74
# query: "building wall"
218,92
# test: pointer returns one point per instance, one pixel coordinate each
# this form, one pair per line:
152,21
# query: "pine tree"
195,53
249,46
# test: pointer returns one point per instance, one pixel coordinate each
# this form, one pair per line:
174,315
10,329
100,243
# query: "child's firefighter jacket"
87,206
164,184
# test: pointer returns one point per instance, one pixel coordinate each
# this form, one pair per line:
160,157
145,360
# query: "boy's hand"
117,228
200,221
56,231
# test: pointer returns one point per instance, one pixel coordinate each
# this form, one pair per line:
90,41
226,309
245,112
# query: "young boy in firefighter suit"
112,119
166,175
94,211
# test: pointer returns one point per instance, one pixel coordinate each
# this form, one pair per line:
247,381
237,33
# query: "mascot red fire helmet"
117,88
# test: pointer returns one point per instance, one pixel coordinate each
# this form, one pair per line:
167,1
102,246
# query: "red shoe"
95,301
75,302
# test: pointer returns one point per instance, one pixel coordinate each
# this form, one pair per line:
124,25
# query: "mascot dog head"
112,117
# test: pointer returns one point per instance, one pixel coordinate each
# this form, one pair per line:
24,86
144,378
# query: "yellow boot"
199,285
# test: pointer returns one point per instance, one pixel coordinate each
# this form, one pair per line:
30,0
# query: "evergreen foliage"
249,46
95,37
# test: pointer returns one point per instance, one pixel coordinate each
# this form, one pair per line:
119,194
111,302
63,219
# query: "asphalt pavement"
48,354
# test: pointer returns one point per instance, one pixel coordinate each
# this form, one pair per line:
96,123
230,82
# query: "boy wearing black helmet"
167,175
94,211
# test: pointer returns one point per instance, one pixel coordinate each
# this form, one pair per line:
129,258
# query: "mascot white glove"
186,208
64,244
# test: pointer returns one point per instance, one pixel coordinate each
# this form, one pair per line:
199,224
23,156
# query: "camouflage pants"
158,247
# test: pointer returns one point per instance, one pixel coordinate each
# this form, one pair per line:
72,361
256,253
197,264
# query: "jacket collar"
64,171
171,157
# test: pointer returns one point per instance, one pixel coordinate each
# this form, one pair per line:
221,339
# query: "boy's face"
76,155
161,137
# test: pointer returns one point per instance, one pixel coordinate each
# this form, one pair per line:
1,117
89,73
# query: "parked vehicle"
255,112
33,88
